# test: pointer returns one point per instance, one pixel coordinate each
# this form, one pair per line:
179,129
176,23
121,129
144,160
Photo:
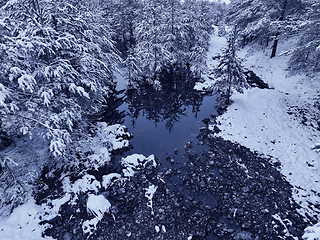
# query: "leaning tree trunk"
276,40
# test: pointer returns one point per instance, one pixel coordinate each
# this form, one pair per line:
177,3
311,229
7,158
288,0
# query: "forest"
62,133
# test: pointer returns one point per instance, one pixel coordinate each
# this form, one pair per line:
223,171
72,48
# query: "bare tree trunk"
229,83
276,40
275,45
228,93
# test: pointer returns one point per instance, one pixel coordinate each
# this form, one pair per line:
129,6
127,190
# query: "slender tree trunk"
275,45
228,94
172,18
229,85
276,40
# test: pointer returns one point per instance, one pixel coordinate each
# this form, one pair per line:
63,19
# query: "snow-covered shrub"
96,150
136,162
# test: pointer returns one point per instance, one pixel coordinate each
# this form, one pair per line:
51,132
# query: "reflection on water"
163,119
174,99
111,112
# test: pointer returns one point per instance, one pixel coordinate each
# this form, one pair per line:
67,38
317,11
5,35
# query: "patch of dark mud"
219,190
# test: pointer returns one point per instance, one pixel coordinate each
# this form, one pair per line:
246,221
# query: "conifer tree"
229,75
149,48
263,21
57,63
172,35
306,55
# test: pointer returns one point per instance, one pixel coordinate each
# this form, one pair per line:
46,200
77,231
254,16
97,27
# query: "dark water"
155,138
166,119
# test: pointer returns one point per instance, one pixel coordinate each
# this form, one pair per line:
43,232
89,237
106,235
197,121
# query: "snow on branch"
47,96
79,90
4,93
26,82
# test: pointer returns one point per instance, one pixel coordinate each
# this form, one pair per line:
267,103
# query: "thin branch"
34,120
11,173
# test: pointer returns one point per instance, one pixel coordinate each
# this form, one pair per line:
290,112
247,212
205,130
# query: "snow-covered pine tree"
198,26
132,69
123,15
173,31
171,34
250,18
263,21
58,61
149,47
229,75
306,56
217,12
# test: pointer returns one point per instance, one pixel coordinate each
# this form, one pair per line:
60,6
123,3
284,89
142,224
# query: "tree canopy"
57,63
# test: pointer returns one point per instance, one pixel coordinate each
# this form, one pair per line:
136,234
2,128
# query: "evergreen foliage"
264,21
306,55
57,62
229,74
171,34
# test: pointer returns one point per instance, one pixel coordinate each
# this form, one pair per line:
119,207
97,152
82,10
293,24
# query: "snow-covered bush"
97,206
105,140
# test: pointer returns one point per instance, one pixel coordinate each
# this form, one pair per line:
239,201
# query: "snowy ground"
24,221
260,119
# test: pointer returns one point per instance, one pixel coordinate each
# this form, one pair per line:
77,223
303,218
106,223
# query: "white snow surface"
86,183
107,138
107,180
259,120
150,191
216,43
134,162
96,205
312,232
23,223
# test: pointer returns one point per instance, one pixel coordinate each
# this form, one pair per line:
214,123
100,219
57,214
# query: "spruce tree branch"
11,173
32,119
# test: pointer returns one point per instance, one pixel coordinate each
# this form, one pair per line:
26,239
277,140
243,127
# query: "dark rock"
175,151
208,197
188,145
216,129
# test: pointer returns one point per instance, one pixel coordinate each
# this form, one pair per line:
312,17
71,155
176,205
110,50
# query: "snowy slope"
216,43
259,119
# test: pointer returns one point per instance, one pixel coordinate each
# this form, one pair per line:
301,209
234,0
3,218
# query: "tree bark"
276,40
275,45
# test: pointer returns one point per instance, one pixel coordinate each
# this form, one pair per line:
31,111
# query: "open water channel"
165,120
